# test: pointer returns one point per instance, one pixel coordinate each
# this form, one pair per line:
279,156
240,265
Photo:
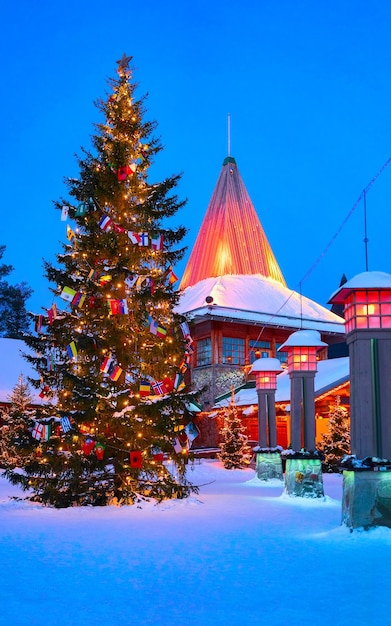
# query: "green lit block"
366,499
303,478
269,465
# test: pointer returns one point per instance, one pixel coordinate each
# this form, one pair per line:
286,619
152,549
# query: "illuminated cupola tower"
231,239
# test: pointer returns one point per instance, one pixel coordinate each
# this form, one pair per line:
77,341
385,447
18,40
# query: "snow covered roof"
12,365
231,239
258,299
308,338
266,364
365,280
331,373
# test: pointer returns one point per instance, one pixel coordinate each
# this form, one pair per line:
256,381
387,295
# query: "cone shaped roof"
231,239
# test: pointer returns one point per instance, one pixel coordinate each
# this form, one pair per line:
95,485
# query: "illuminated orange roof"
231,239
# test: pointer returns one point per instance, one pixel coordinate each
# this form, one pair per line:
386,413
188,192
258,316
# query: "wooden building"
236,298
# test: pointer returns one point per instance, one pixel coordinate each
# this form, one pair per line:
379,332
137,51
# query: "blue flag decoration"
66,424
191,431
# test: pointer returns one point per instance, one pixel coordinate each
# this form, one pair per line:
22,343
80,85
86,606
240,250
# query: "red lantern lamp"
302,347
367,301
266,371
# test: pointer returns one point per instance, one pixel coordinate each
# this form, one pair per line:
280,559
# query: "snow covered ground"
240,552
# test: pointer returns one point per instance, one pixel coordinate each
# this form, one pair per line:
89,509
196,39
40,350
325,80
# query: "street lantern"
367,301
268,458
367,312
266,371
303,475
302,347
367,479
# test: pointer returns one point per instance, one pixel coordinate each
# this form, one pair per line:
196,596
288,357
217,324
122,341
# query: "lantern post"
268,464
367,472
303,476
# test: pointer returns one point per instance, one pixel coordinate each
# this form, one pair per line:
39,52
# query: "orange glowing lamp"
302,347
266,371
367,301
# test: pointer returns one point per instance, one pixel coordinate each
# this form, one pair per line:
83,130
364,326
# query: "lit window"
259,349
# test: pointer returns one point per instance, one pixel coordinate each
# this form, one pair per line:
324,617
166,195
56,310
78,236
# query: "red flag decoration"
52,313
87,446
104,279
106,223
159,388
183,366
85,427
157,243
118,307
172,278
37,431
122,174
78,299
136,459
45,392
38,323
115,372
145,388
134,237
99,451
168,383
157,454
105,367
189,348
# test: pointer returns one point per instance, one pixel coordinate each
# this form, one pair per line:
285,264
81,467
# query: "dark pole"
365,231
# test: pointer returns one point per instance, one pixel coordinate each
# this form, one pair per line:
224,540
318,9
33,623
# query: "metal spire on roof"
229,134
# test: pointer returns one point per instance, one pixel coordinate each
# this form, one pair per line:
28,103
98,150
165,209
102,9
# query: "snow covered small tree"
336,442
16,426
111,353
234,450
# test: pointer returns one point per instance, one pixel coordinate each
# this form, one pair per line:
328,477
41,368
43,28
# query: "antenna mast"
229,134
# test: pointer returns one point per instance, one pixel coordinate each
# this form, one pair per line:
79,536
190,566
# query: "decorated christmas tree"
16,422
111,352
234,450
335,444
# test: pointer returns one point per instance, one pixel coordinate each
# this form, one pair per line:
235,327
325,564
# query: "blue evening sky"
307,84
